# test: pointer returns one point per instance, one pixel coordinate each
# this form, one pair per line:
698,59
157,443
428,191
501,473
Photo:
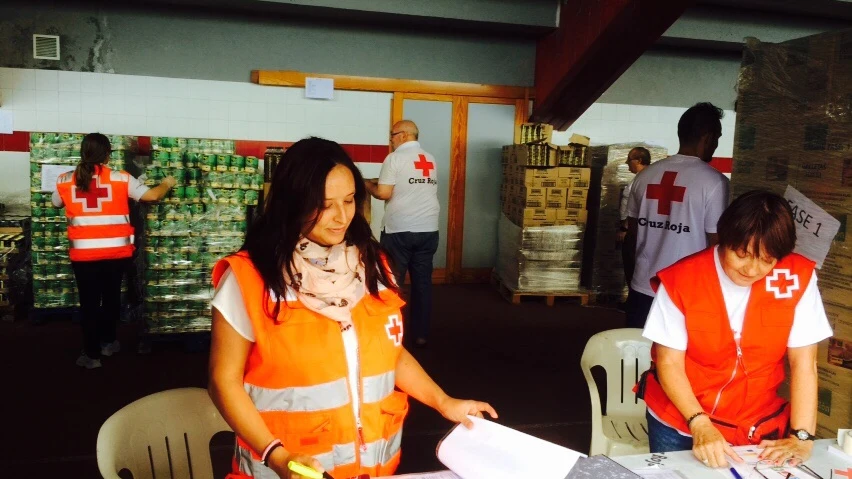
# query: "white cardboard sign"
49,174
319,88
815,229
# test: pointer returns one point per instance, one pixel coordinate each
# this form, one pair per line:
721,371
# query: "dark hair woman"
722,323
307,331
101,239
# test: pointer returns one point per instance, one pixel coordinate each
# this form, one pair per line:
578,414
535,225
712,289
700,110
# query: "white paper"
49,174
657,473
319,88
492,451
6,120
815,229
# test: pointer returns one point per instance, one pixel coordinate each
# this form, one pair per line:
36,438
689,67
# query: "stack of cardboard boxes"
544,194
607,272
546,185
794,127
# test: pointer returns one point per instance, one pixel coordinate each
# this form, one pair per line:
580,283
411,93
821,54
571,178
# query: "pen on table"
736,474
306,471
810,471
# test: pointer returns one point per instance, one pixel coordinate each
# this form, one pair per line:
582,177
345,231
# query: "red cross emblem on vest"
782,284
394,329
665,193
424,165
93,199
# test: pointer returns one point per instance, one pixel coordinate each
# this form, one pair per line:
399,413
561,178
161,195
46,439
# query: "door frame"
461,95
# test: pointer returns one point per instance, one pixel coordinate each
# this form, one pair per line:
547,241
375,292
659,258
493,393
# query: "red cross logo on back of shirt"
782,284
665,193
394,329
424,165
93,199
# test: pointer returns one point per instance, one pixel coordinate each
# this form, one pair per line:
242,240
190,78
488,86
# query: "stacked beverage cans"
202,220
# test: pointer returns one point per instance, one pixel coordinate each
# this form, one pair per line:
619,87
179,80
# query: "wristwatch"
803,435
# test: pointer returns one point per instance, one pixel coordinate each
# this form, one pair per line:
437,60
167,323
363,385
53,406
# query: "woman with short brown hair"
722,322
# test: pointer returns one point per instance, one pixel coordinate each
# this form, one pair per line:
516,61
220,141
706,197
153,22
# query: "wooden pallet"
514,297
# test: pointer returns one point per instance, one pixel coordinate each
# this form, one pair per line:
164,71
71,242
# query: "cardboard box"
537,155
577,194
574,173
580,140
581,214
556,193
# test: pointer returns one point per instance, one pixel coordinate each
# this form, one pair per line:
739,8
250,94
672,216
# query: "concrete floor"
524,360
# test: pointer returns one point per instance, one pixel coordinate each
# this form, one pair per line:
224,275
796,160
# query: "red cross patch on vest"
782,284
93,199
394,329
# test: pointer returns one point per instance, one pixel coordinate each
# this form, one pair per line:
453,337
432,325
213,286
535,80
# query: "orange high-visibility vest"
98,220
735,385
297,377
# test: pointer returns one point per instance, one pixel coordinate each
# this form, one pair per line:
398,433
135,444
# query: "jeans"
99,288
412,253
662,438
638,306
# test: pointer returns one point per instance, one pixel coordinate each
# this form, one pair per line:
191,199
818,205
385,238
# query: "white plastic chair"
625,355
164,435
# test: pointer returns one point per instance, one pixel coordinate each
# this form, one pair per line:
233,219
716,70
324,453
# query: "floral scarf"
328,280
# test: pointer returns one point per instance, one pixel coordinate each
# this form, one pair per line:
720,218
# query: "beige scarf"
328,280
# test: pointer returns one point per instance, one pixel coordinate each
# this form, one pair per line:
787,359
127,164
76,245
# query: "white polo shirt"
676,202
413,206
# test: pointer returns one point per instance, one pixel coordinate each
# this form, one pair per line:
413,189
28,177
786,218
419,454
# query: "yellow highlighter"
306,471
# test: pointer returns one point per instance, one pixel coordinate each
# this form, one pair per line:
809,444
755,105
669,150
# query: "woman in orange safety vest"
306,354
723,321
100,239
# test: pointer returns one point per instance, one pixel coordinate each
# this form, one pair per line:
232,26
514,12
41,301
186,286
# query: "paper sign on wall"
49,174
6,120
319,88
815,229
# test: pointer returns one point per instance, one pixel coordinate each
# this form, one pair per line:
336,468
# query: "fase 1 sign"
815,229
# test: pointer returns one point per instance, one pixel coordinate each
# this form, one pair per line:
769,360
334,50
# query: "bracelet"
264,458
692,418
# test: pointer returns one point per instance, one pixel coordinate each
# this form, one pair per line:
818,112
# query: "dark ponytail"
94,152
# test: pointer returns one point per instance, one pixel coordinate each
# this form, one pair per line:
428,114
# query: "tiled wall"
48,100
607,123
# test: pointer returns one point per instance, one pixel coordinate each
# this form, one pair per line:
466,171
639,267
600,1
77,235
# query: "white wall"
48,100
607,123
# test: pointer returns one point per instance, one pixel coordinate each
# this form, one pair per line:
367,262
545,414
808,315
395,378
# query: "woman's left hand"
791,449
457,410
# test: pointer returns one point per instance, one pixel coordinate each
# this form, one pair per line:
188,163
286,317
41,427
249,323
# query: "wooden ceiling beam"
595,43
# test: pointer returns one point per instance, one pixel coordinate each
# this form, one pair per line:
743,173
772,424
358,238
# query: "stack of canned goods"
188,232
53,279
230,179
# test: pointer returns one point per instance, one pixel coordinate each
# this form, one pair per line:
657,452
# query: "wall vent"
46,47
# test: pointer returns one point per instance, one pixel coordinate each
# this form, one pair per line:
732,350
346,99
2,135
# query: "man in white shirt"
674,206
637,159
409,183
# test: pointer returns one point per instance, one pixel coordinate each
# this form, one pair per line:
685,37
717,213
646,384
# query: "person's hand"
169,181
279,459
791,449
708,444
619,237
457,410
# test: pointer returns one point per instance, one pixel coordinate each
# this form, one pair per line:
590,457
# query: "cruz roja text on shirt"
666,225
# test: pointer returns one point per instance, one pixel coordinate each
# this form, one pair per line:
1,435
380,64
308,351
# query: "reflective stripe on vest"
102,242
377,453
99,220
378,387
321,397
